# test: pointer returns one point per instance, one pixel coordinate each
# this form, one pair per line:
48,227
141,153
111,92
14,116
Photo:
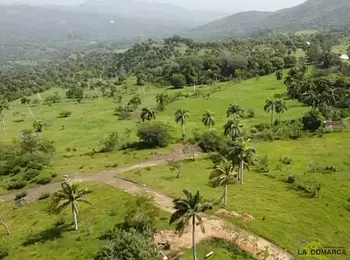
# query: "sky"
220,5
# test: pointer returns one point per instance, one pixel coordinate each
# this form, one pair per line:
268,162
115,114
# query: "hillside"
313,14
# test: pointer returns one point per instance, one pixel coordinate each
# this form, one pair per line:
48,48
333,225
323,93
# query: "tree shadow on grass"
169,178
49,234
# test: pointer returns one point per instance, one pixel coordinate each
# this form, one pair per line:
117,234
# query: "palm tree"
233,128
208,119
223,175
280,107
135,101
26,101
3,106
270,107
189,208
181,116
70,194
147,114
242,154
279,75
38,126
162,100
235,109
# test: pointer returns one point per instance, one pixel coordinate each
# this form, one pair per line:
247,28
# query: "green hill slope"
313,14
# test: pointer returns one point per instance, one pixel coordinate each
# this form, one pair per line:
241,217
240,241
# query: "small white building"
344,57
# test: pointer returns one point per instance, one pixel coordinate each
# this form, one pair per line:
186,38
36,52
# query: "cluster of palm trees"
275,105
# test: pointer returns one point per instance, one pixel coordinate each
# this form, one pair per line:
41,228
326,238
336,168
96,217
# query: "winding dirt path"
215,227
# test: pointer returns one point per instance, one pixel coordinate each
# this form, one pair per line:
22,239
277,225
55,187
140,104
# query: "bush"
211,141
44,196
262,165
123,112
64,114
44,180
30,174
16,185
53,99
17,169
3,253
290,179
110,143
154,134
21,195
250,113
312,120
178,81
286,160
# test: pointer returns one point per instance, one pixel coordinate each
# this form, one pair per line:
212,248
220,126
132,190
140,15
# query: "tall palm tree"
233,128
26,101
234,110
3,106
71,195
280,108
270,107
181,116
208,119
242,154
189,208
223,175
147,114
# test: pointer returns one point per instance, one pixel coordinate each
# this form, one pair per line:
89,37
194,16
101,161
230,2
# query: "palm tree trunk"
30,111
194,238
75,217
225,195
194,87
3,123
183,131
280,117
2,222
241,171
272,111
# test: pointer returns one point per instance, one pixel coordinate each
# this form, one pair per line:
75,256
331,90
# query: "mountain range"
311,15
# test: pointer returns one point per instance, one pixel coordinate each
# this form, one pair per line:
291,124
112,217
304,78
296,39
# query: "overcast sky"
222,5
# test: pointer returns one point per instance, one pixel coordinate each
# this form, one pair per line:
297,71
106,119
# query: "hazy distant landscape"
161,131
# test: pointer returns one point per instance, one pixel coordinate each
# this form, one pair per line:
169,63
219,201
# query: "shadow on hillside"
49,234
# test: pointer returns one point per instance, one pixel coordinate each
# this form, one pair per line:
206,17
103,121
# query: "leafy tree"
312,120
190,208
127,245
70,195
178,81
235,110
154,134
26,101
270,108
208,119
280,107
223,175
233,128
135,101
162,100
38,126
279,75
181,116
110,143
75,93
242,153
3,106
147,114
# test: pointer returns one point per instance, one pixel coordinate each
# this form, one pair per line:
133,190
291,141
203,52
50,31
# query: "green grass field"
281,214
34,233
93,119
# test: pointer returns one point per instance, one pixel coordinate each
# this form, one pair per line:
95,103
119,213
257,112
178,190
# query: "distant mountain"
313,14
151,10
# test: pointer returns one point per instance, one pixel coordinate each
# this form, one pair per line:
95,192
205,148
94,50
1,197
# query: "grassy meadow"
282,213
76,136
39,235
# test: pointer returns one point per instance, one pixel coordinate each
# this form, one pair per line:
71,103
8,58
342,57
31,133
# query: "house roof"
332,123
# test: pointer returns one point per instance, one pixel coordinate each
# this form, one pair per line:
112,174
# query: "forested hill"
311,15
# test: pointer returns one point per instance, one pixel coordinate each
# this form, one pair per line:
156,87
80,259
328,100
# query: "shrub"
44,180
286,160
262,165
154,134
290,179
210,141
64,114
17,169
53,99
110,143
44,196
21,195
3,253
312,120
30,174
178,81
250,113
16,185
123,112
